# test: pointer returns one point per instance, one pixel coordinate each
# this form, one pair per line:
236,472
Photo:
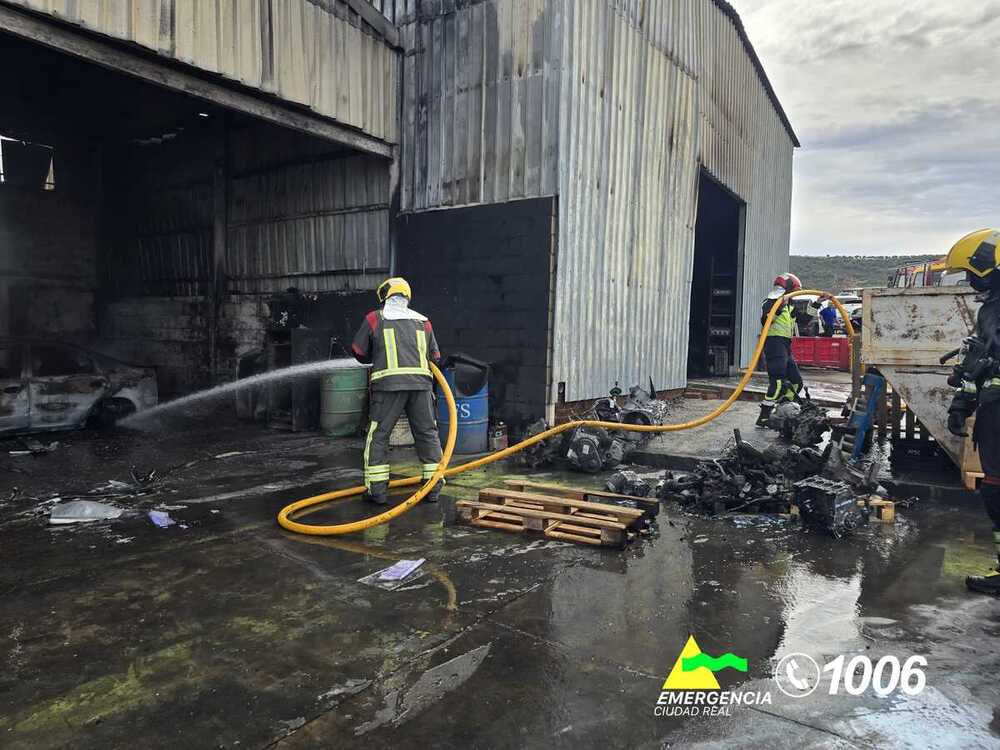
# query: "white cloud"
897,106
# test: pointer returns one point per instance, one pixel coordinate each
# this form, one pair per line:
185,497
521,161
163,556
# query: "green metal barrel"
343,401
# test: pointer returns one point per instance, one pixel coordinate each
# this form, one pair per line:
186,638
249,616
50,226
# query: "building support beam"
220,228
135,64
376,20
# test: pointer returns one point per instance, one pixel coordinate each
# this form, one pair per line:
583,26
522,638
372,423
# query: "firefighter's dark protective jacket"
988,329
398,351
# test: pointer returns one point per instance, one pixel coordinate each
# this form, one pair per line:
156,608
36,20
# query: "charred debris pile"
592,449
792,477
748,479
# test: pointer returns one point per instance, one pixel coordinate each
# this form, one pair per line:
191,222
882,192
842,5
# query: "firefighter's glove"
962,407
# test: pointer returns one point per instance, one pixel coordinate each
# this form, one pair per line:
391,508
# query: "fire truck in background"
931,273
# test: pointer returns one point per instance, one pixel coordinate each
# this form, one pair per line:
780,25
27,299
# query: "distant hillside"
836,272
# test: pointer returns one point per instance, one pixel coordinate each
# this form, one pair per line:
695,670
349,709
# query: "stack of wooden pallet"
649,505
559,513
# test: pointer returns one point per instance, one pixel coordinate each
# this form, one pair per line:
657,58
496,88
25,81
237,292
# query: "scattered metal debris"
802,424
743,479
829,505
594,449
543,453
82,511
628,483
33,447
231,454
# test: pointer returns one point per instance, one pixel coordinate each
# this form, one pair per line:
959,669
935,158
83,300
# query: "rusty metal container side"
904,334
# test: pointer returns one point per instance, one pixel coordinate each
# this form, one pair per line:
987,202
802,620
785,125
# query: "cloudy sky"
897,105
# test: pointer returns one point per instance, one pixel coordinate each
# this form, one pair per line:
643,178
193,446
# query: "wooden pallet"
563,518
884,510
649,505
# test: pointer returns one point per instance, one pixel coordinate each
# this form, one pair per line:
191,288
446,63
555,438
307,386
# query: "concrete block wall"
482,275
241,331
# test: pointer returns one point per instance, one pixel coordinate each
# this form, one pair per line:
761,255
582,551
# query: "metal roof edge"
730,11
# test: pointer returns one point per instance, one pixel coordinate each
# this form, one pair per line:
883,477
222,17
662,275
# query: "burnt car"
48,386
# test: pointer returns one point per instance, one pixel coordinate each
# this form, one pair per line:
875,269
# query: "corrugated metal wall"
648,106
627,188
300,213
481,104
317,54
162,218
636,97
302,216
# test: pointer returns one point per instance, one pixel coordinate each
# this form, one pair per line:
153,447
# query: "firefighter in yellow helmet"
398,343
976,378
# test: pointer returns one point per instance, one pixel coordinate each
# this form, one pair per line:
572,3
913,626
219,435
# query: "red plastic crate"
821,351
804,350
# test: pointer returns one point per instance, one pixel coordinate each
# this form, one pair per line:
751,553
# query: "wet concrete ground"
828,387
233,633
682,450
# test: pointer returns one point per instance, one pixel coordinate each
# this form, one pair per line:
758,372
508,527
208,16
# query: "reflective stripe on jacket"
398,351
784,321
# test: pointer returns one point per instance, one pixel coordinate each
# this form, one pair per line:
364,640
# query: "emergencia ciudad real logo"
692,688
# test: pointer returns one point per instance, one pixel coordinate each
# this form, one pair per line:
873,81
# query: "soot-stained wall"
483,276
50,242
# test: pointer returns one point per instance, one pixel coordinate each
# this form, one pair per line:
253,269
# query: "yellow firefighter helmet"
976,253
395,285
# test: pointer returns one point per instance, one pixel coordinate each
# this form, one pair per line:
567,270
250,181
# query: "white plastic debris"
400,570
161,519
401,573
230,454
82,511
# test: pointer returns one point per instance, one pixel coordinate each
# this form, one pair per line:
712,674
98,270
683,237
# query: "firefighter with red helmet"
784,379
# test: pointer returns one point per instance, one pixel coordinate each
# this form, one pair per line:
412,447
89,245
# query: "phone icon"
797,675
791,672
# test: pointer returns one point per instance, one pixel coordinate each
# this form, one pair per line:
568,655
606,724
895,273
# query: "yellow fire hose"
285,517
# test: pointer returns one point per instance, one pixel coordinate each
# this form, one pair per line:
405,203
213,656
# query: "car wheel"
110,411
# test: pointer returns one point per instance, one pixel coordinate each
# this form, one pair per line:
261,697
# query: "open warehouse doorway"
158,227
716,281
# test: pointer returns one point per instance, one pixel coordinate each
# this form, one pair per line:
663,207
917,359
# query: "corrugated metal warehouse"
612,119
582,192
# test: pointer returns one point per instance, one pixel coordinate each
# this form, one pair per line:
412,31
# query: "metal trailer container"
905,332
616,107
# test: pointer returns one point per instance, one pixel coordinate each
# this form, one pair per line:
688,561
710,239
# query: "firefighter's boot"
987,584
378,493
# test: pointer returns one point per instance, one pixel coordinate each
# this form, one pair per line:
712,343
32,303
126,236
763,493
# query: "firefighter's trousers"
987,437
785,382
385,408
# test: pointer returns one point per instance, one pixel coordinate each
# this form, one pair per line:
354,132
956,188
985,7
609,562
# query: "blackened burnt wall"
483,276
50,240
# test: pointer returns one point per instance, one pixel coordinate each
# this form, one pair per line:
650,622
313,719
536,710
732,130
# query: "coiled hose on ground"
286,516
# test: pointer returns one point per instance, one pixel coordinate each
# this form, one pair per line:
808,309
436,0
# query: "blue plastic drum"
473,410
